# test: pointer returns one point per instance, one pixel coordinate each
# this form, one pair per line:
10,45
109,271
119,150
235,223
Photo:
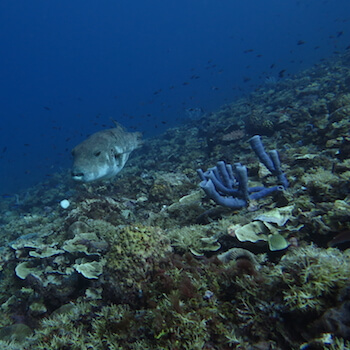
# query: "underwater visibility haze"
175,174
68,67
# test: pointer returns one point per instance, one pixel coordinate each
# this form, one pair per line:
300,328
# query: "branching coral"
312,276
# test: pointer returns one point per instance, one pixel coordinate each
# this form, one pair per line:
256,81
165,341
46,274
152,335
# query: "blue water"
67,67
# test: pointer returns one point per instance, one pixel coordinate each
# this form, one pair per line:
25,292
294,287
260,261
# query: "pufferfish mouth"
78,176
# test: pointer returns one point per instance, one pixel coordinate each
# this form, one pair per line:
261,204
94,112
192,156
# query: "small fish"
301,42
102,155
281,73
340,238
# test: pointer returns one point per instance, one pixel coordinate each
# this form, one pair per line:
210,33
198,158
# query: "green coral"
62,331
312,276
134,251
339,344
195,238
320,181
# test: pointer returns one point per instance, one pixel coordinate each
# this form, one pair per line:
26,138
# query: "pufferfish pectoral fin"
120,158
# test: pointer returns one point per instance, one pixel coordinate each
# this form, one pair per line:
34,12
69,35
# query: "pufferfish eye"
96,154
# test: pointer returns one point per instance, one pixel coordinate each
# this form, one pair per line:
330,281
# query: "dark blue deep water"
67,67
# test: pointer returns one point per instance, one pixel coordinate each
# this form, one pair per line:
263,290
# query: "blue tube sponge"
227,185
271,160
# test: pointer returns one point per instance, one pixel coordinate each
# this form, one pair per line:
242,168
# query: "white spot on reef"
64,203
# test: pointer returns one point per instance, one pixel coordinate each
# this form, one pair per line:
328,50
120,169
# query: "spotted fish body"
102,155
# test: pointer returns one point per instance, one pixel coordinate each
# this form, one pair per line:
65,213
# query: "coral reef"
149,262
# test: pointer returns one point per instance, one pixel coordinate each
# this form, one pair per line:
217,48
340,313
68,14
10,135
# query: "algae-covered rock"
187,208
37,308
237,253
78,227
65,309
133,254
17,332
168,185
260,122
